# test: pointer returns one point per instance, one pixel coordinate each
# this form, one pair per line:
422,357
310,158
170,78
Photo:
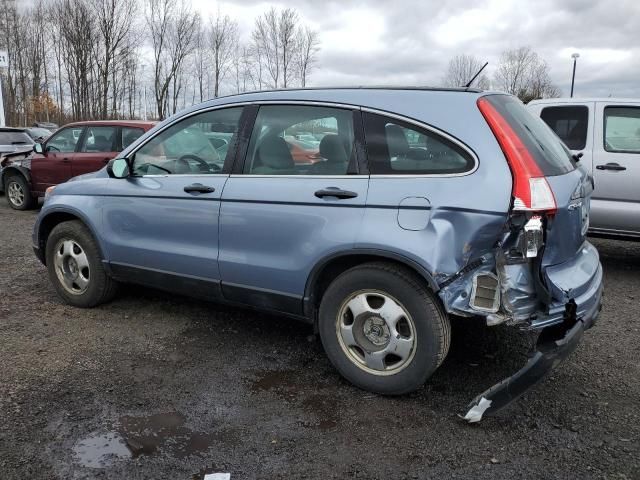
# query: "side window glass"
570,123
622,129
196,145
399,148
301,140
130,135
65,140
99,139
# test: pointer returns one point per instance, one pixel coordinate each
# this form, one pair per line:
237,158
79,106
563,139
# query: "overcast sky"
410,42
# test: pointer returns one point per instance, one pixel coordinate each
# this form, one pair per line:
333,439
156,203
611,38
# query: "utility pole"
573,77
4,64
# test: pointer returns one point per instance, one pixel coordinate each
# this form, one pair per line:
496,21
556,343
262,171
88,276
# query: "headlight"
48,192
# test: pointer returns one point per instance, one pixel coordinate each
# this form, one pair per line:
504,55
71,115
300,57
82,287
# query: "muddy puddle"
158,434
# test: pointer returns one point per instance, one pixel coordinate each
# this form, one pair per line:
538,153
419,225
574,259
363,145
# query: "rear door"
54,166
160,225
97,148
280,218
616,200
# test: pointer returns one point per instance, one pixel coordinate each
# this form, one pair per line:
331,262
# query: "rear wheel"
18,193
75,266
383,329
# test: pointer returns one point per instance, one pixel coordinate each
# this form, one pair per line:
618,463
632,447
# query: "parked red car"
73,150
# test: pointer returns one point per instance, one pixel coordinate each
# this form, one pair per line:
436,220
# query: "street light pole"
573,77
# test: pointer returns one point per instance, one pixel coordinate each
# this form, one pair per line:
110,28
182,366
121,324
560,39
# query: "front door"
98,147
54,165
280,218
161,224
616,199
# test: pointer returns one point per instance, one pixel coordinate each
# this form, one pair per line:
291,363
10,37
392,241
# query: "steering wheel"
202,164
52,148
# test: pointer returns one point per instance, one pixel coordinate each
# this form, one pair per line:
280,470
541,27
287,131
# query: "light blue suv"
424,205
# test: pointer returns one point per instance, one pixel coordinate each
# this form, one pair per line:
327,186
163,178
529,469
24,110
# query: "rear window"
15,138
570,124
546,148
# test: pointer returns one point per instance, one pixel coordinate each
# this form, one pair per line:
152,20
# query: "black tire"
101,287
18,181
430,322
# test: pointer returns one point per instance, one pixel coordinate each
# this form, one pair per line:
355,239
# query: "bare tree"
461,69
266,41
287,29
172,26
521,72
113,20
223,40
308,46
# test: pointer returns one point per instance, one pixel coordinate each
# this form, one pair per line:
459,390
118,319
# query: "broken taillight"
531,191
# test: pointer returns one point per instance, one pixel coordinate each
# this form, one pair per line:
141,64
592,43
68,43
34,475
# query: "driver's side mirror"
118,168
38,148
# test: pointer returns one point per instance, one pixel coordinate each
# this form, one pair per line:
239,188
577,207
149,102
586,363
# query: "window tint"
196,145
552,156
99,139
396,147
622,129
570,124
14,138
301,140
65,140
130,135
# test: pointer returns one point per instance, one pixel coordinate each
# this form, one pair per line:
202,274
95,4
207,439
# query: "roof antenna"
476,76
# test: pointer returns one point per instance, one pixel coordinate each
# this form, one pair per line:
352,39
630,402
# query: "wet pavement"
157,386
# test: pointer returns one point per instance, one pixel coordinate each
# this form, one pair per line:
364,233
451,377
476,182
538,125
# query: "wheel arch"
15,170
55,217
335,264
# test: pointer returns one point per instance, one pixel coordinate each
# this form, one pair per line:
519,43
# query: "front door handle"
611,166
199,188
335,192
66,160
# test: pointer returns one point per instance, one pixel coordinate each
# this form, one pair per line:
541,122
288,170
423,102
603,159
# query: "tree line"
87,59
520,72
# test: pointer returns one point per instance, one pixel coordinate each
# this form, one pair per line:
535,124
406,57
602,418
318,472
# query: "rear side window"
546,148
130,135
99,139
398,148
570,124
622,129
15,138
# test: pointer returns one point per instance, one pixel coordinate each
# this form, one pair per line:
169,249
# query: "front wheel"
383,329
18,193
75,266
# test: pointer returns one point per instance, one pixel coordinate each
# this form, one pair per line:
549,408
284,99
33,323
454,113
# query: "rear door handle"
611,166
335,192
199,188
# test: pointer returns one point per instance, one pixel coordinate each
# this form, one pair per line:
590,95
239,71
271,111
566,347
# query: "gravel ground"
195,388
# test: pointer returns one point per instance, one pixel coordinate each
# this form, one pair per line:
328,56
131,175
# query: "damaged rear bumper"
554,344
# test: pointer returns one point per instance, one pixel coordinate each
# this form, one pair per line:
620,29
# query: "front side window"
65,140
570,124
622,129
99,139
395,147
196,145
301,140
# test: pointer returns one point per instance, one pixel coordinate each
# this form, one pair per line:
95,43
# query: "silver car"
606,134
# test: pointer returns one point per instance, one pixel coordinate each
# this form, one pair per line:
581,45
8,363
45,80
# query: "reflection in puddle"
163,433
98,451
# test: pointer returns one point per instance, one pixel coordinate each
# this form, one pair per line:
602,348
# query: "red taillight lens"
531,191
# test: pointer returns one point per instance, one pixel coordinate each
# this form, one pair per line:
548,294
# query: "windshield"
551,155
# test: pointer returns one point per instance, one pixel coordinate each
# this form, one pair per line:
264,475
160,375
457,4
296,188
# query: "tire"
18,193
75,266
383,329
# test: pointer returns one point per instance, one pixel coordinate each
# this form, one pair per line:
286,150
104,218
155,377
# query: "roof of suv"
582,100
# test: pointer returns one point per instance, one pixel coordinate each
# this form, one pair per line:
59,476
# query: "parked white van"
606,131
